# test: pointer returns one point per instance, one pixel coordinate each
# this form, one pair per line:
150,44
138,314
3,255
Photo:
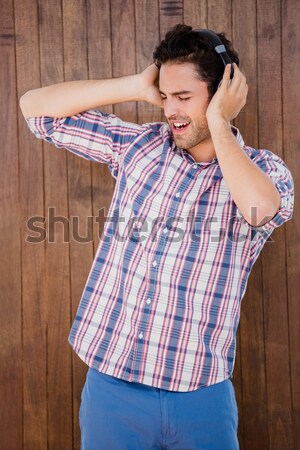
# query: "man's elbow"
260,215
24,104
31,103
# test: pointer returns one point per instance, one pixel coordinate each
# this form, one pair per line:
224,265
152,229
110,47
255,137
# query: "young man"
159,313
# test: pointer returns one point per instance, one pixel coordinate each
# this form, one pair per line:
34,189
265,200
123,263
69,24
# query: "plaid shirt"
161,305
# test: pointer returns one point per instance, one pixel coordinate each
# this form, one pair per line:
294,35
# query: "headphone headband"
218,45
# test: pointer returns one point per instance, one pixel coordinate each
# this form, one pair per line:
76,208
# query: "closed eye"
182,99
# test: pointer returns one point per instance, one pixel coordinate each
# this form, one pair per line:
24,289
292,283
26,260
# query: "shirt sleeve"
93,135
282,178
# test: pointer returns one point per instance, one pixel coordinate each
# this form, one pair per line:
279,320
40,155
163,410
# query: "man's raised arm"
72,97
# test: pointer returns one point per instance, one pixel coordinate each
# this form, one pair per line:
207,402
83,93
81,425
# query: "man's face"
185,100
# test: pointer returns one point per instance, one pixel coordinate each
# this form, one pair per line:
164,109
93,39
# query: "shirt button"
148,301
195,166
165,230
141,335
154,264
177,194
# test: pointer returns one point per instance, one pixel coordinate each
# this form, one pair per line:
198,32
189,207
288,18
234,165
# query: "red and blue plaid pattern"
161,305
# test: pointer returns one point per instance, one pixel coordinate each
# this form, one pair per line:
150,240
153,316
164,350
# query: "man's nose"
171,108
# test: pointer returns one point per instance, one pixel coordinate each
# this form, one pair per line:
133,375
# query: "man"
158,316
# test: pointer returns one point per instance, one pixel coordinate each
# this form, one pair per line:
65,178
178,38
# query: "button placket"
144,320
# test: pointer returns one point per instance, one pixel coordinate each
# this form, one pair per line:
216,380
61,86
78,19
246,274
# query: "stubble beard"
198,136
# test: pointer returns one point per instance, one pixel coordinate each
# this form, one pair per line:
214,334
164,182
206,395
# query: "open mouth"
179,127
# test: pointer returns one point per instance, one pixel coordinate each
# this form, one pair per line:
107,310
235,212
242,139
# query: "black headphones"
219,48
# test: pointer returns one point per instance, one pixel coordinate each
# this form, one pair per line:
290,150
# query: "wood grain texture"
147,38
290,13
123,50
47,41
33,255
170,13
10,264
60,423
274,255
195,13
219,16
100,66
79,188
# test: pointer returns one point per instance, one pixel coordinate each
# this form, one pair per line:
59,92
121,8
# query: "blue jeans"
118,415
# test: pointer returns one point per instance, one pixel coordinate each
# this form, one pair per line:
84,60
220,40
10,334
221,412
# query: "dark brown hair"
181,45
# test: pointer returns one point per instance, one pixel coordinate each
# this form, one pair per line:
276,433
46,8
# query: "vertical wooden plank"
57,253
252,352
33,254
219,15
147,38
195,13
99,67
170,13
79,187
274,256
10,267
123,50
291,139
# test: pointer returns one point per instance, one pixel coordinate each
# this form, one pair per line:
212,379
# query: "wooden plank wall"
48,41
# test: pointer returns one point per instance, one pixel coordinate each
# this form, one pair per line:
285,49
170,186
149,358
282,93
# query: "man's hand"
149,83
229,99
